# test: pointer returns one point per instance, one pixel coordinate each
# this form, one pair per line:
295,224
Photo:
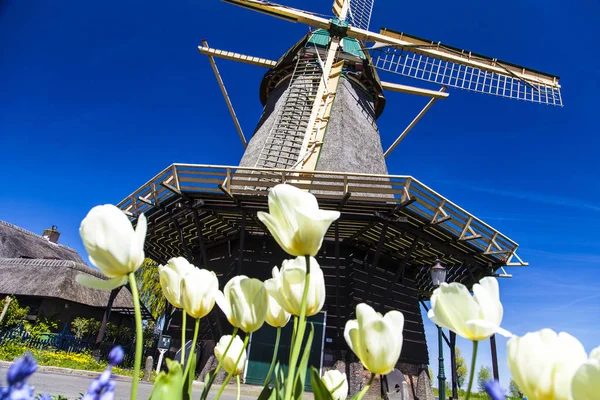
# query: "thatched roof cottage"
40,273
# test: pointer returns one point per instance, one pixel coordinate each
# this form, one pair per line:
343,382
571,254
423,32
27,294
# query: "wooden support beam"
402,205
396,87
238,127
375,261
266,63
145,200
241,245
412,124
338,309
106,316
453,365
494,358
188,253
200,238
173,189
400,270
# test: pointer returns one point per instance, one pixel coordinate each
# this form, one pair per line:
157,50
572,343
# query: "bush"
15,314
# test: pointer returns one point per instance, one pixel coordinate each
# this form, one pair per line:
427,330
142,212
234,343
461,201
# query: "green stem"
473,359
229,375
191,357
183,322
275,350
139,341
299,336
212,379
365,389
237,379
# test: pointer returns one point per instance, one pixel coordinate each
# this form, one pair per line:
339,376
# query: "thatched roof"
17,242
56,278
31,265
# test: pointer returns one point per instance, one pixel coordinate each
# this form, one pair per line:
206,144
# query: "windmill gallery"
318,131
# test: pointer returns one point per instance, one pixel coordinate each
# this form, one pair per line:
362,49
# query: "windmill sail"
437,63
359,13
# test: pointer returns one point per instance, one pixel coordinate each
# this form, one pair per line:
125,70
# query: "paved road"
71,386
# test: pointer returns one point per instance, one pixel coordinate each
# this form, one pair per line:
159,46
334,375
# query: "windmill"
318,131
344,45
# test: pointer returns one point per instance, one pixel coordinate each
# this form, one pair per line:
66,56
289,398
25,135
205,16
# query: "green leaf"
186,391
320,391
301,377
207,384
168,385
265,394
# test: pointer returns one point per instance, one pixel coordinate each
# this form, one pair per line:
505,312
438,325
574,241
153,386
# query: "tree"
148,284
461,369
80,327
483,376
514,390
15,314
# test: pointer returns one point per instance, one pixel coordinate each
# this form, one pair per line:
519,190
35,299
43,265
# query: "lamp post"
438,276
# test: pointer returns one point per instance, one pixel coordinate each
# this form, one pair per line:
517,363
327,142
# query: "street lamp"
438,276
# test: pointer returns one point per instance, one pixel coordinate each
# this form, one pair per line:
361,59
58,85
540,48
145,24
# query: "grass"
82,361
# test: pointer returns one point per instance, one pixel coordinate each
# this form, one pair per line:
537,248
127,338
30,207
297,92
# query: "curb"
248,390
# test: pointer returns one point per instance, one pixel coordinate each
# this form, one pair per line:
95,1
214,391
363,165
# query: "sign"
164,342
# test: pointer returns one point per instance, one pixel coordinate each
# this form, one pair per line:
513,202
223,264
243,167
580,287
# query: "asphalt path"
72,386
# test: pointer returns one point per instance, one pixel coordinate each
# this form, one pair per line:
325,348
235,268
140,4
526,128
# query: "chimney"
51,234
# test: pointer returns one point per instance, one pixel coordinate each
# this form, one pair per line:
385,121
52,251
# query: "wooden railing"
385,190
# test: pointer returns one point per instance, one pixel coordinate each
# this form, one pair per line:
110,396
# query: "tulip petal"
280,230
395,319
586,382
595,354
487,295
480,329
351,336
101,284
453,306
378,337
223,305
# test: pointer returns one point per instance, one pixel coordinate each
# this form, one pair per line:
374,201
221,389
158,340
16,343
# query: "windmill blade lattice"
359,14
453,74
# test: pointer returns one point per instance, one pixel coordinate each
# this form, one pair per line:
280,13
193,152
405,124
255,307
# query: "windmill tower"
319,132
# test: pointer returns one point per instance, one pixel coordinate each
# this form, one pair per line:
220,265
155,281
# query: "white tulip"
228,359
295,220
170,277
375,339
112,244
198,289
287,286
586,381
244,301
474,317
277,317
543,363
336,383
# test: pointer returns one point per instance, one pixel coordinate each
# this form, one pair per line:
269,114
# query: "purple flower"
495,391
17,376
116,355
21,369
103,388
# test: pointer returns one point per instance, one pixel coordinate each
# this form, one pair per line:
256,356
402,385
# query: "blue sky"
97,97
